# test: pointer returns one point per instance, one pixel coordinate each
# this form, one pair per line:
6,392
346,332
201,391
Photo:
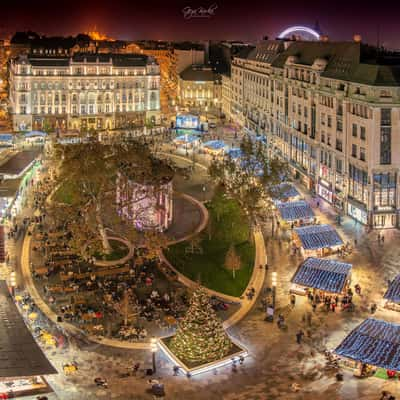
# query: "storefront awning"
374,342
323,274
393,292
20,355
315,237
295,210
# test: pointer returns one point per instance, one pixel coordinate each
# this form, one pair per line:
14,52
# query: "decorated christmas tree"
200,337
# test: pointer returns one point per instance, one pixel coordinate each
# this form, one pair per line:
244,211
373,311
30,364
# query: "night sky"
233,20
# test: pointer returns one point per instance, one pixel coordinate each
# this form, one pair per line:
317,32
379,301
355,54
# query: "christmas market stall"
200,343
392,295
296,212
234,153
23,364
214,147
187,141
372,348
321,276
317,240
285,192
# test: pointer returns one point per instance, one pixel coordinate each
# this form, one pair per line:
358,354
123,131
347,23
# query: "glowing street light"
274,282
13,282
153,346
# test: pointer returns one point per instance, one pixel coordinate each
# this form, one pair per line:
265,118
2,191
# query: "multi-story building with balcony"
84,91
332,111
199,89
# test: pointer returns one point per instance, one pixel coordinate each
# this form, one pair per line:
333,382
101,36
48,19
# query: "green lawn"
119,250
229,225
65,193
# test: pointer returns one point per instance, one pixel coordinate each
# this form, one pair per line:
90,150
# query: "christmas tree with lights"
200,337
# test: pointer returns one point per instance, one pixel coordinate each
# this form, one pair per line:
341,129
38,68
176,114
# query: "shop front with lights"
324,190
384,199
357,211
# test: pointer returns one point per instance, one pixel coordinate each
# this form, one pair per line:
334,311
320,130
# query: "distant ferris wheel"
302,32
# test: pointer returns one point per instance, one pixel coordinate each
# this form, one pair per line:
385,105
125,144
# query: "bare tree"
232,260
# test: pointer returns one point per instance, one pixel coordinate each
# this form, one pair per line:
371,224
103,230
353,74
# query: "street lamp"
13,282
274,281
153,344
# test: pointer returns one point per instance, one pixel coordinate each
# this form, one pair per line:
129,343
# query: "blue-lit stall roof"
215,144
315,237
6,137
295,210
186,138
35,134
234,153
374,342
285,191
323,274
393,292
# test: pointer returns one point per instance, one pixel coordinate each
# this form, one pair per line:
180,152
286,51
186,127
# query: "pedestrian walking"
357,288
299,336
292,300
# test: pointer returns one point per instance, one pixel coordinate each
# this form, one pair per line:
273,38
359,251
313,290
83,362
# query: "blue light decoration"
295,210
393,292
323,274
374,342
315,237
187,121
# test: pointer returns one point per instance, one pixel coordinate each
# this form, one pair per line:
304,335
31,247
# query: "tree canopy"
251,177
91,170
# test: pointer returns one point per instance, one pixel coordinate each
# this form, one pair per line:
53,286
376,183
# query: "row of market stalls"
373,347
212,147
11,139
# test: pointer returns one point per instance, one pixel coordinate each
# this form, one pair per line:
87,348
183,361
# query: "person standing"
299,336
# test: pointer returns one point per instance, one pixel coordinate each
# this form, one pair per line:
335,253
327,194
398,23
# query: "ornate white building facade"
84,91
332,111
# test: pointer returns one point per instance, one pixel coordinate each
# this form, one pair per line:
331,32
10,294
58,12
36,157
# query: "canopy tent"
6,137
323,274
234,153
285,191
315,237
295,210
186,139
214,146
20,354
392,294
374,342
33,134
